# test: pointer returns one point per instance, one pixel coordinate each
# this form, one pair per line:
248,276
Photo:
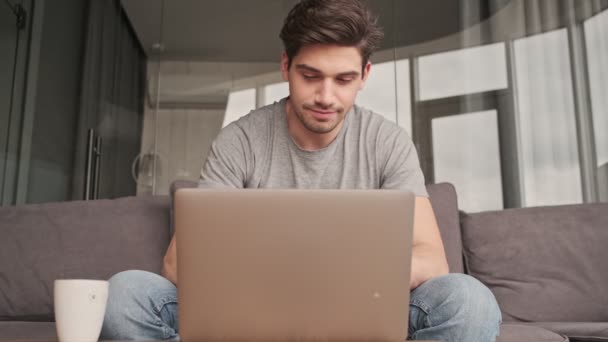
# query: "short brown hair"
340,22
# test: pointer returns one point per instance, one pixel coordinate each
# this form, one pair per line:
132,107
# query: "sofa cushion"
445,204
91,240
512,332
29,331
542,264
577,331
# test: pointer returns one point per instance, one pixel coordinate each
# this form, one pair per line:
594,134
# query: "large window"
596,34
462,72
549,153
379,91
490,100
274,92
469,159
240,102
458,125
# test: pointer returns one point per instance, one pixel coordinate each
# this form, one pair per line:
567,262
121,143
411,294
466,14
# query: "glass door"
8,47
12,36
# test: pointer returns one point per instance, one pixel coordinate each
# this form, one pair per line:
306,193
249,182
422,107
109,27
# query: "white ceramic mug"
80,306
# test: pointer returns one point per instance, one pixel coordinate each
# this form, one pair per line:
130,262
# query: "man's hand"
428,254
169,270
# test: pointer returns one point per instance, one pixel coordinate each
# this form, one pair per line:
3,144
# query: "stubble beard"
316,126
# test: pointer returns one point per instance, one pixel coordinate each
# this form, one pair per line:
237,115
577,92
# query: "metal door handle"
88,170
96,176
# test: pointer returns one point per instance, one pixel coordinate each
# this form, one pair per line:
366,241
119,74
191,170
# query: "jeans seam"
166,333
426,309
158,307
422,305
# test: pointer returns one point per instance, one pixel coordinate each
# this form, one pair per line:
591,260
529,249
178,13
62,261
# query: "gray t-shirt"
257,151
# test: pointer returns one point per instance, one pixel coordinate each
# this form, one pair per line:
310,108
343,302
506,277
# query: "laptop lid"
265,265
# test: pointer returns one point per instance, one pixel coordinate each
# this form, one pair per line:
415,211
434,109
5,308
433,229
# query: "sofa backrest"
444,202
91,240
542,264
97,239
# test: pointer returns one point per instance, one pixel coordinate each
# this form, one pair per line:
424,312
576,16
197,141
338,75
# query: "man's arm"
225,167
428,254
403,172
169,269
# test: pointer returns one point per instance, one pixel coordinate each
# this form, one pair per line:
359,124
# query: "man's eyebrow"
305,67
349,74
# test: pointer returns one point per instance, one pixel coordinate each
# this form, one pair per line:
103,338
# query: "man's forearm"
169,269
426,264
170,273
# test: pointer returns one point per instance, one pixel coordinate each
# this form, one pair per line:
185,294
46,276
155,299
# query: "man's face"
323,84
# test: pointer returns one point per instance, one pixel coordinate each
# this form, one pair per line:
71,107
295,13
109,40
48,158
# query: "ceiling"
247,30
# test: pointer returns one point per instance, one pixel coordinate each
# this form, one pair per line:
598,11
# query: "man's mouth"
320,111
322,114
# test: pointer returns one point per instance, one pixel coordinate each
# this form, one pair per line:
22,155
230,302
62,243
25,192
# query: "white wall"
183,140
193,97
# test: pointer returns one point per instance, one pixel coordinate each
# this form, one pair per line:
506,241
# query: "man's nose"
324,95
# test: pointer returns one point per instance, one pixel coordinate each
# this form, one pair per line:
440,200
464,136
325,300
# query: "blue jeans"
454,307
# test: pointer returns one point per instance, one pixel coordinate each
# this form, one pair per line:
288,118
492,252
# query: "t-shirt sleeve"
402,169
228,161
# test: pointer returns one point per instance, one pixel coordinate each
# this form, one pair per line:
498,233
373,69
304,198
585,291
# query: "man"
318,138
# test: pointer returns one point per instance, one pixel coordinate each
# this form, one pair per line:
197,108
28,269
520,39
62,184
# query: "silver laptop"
283,265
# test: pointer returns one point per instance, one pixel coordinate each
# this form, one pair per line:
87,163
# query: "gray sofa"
547,266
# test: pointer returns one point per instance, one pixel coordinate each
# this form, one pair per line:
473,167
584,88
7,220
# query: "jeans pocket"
418,318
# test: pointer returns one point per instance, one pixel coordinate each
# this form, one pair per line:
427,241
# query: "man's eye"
344,80
310,77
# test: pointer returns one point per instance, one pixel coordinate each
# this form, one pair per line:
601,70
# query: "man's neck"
303,137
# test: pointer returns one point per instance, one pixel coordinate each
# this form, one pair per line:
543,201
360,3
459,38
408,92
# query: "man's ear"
365,75
285,66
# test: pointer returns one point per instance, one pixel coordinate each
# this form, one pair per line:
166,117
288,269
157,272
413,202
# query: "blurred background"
506,99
